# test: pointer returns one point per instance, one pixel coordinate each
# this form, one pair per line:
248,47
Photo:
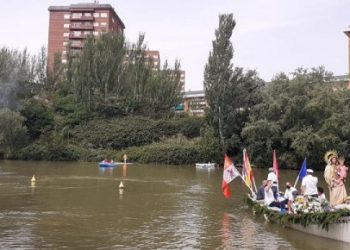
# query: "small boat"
105,164
332,224
206,166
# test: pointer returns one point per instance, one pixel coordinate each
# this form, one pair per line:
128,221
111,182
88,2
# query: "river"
76,205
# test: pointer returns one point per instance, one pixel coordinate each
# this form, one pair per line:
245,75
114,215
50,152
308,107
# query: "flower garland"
322,219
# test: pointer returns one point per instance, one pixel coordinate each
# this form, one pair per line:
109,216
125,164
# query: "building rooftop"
85,7
81,6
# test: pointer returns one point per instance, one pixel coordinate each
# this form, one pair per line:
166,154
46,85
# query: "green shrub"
49,152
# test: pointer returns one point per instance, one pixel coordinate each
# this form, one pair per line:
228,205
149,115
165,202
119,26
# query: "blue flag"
302,172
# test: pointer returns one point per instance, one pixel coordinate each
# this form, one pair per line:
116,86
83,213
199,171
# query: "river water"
79,206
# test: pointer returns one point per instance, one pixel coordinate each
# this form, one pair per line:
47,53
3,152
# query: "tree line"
300,114
110,77
90,106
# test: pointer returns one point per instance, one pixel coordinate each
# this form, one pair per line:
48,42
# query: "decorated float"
312,215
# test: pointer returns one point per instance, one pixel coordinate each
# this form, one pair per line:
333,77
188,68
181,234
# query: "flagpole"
301,171
296,181
254,184
247,184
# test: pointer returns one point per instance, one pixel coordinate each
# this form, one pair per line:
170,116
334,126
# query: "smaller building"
154,58
194,102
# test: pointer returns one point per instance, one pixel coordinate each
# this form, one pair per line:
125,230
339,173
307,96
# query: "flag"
247,172
275,164
230,173
302,172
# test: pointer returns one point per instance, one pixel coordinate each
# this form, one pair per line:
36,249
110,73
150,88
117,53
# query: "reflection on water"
160,207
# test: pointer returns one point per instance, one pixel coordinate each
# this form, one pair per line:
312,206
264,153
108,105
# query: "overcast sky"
271,36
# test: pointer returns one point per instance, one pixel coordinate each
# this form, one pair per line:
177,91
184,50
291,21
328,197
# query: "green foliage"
175,151
122,133
113,78
301,116
50,152
209,146
230,92
12,131
37,118
321,219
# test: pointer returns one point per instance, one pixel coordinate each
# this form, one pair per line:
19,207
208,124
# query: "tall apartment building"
70,25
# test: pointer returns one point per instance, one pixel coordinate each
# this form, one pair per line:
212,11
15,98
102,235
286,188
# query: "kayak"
104,164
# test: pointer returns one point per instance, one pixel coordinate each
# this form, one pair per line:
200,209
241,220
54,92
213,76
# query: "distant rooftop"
85,7
82,6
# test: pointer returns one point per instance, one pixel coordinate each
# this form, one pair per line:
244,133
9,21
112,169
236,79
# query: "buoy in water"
33,179
121,185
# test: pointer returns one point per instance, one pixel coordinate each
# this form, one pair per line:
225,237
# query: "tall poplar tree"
230,92
218,72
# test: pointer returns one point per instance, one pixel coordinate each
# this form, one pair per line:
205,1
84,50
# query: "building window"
65,34
96,24
87,32
113,20
77,33
66,16
95,33
87,14
103,24
64,52
104,14
96,14
66,25
64,60
65,43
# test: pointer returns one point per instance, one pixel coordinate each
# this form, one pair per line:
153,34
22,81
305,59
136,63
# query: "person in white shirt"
269,198
273,177
289,195
309,184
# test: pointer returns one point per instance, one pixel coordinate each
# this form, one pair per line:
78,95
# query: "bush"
49,152
122,133
175,151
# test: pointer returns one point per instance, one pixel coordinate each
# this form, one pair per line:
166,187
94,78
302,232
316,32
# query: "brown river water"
76,205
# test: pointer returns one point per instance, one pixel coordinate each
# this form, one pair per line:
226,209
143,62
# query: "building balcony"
82,18
75,36
76,45
74,26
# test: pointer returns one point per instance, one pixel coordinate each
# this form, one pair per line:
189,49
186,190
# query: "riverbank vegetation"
108,100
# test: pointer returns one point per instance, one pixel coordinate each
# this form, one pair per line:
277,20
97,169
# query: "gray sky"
271,36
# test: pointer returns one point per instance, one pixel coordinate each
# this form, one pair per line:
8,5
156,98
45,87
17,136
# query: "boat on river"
332,224
105,164
205,166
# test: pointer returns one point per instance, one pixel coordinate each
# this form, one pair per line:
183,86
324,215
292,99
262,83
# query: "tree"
301,116
12,131
230,92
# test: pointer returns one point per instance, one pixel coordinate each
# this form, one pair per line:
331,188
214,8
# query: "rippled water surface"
79,205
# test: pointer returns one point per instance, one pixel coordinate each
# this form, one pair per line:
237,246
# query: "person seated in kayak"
269,198
261,190
289,196
273,177
108,160
309,184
